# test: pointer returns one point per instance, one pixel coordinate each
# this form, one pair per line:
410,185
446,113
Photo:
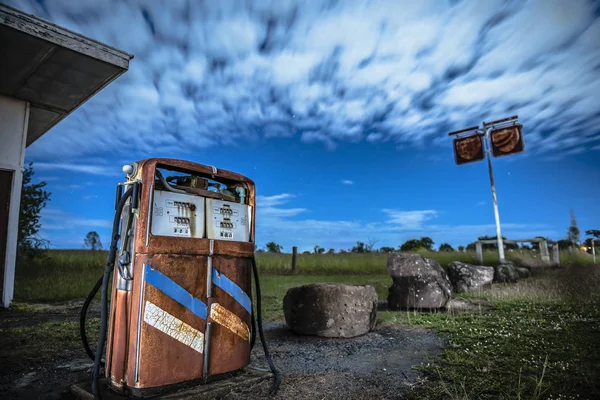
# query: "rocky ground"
376,365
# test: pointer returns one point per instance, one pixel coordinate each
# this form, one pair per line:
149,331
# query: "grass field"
541,341
70,274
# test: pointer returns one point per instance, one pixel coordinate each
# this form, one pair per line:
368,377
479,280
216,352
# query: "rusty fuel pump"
182,253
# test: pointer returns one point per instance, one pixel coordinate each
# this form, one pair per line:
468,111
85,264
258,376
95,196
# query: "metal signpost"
502,137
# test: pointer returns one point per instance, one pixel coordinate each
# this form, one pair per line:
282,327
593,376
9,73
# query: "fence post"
479,249
294,254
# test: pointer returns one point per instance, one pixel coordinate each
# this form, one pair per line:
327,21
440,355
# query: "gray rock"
419,283
331,310
523,272
505,273
466,277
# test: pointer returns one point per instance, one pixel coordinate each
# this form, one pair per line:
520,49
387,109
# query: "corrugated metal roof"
54,69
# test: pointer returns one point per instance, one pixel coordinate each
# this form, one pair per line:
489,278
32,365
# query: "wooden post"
479,249
294,254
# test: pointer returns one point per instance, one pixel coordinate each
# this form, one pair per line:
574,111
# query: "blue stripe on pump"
174,291
234,290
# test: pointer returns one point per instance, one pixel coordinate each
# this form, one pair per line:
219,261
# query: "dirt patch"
376,365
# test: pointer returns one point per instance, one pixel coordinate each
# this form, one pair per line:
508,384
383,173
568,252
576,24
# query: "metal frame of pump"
127,206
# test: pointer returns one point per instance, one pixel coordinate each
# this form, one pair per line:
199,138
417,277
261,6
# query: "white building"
46,72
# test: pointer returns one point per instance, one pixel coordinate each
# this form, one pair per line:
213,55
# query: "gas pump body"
181,295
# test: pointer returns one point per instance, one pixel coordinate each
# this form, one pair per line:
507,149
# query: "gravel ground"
376,365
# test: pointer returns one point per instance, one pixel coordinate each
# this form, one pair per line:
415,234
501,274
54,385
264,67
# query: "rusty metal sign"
468,149
505,141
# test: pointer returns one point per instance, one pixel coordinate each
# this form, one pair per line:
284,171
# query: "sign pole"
494,198
470,147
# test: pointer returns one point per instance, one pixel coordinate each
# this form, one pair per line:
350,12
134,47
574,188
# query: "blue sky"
339,111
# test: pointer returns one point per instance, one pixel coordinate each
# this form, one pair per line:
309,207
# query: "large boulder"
506,273
331,310
467,277
419,283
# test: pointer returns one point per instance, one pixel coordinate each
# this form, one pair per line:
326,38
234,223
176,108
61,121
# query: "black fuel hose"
110,265
253,332
83,316
277,381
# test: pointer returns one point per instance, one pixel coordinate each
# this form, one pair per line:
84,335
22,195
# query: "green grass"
540,342
63,275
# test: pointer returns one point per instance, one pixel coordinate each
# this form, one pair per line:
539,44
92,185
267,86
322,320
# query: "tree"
411,244
273,247
359,248
415,244
370,246
461,248
92,240
446,247
33,200
427,243
573,233
331,251
593,232
386,249
564,244
318,250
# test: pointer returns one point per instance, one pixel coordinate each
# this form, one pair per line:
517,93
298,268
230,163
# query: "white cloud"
347,182
410,219
218,73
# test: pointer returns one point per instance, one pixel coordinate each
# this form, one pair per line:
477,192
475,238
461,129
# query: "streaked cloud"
56,219
214,73
88,169
347,182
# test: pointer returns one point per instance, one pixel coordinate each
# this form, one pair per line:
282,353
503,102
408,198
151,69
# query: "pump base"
248,377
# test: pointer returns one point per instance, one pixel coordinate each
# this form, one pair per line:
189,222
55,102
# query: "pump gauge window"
507,141
468,149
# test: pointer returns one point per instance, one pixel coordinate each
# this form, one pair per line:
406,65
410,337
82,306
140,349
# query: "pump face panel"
228,221
176,214
185,314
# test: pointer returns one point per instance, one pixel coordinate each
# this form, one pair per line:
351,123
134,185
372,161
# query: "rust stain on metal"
229,320
117,361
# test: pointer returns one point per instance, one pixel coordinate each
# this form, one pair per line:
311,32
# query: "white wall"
14,116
